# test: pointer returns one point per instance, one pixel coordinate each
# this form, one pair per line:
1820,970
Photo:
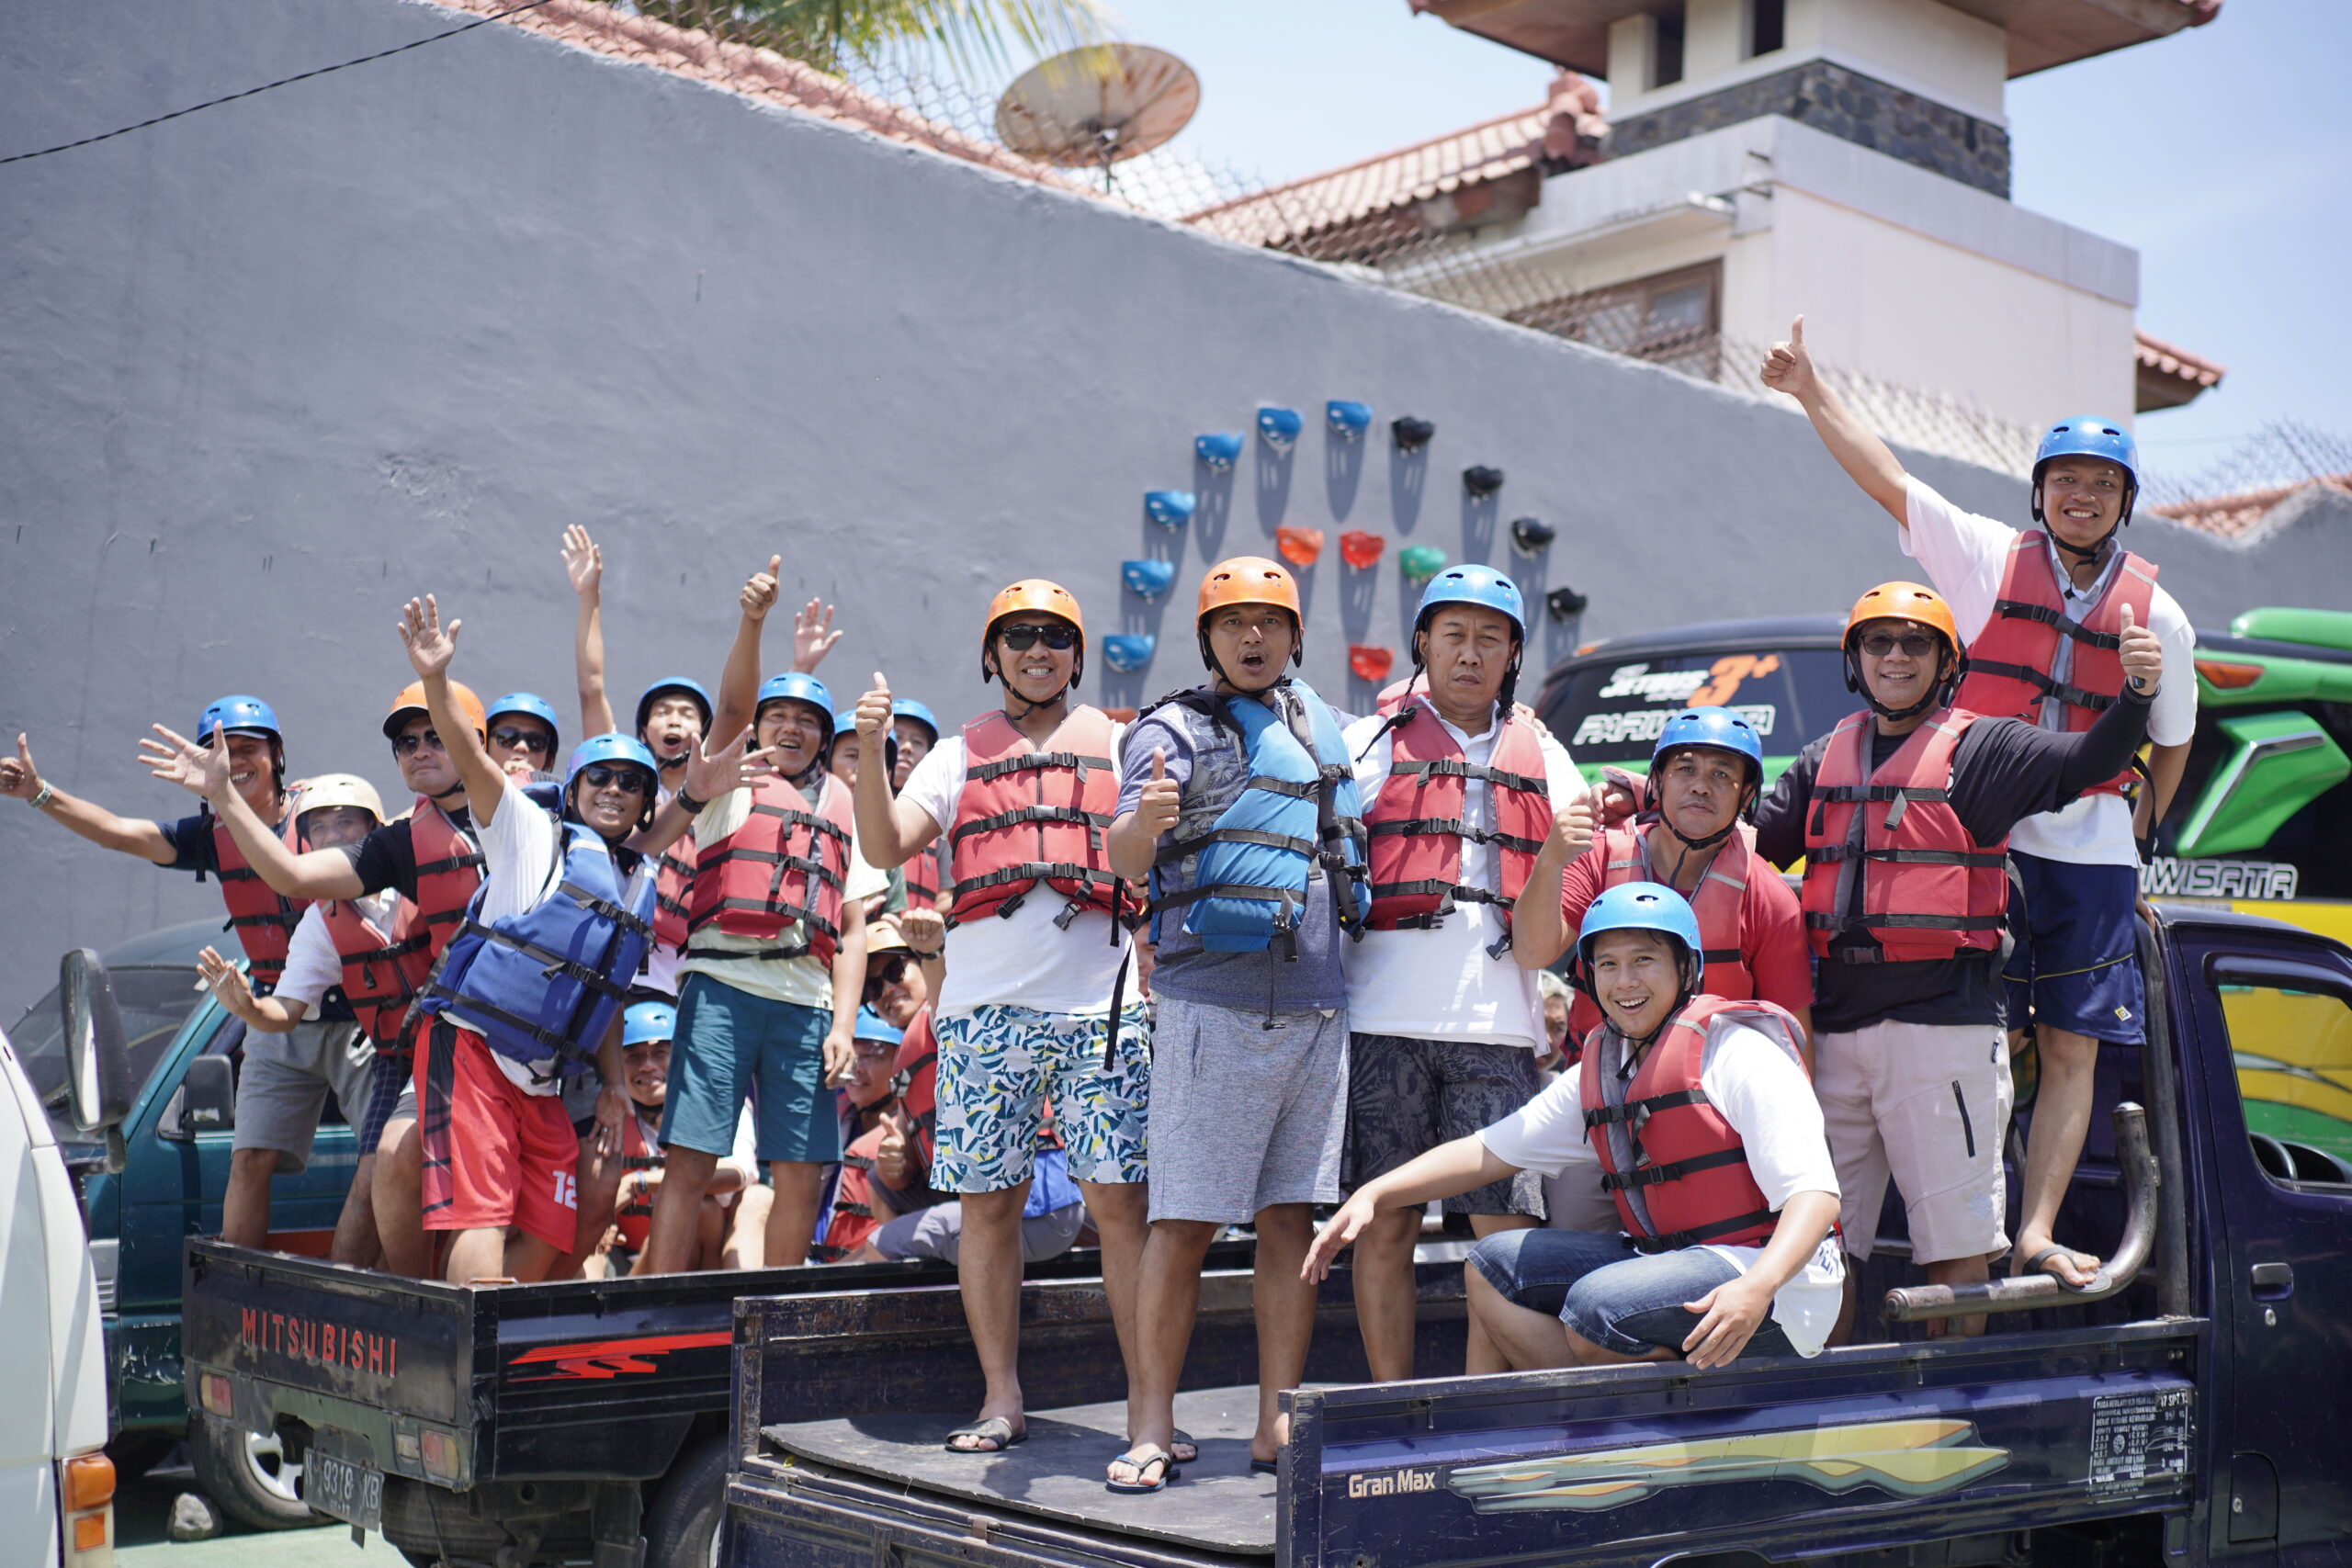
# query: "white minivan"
56,1483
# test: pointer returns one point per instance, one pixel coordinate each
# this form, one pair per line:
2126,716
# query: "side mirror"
207,1096
97,1058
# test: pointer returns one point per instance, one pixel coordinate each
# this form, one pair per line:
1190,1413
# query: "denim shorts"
1607,1293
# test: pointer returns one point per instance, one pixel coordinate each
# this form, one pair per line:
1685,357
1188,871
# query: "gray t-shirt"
1210,766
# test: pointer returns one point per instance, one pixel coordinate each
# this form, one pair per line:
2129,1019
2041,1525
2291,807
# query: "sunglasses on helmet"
535,740
1022,638
615,775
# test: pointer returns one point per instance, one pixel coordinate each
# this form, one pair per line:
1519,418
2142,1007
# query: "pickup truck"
2185,1409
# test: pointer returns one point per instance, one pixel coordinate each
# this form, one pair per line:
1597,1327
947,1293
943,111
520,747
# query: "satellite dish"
1091,108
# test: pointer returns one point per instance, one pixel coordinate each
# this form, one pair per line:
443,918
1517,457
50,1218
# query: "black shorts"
1406,1096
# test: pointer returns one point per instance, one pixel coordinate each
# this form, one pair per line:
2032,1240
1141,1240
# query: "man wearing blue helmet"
2042,613
774,958
1694,1115
523,735
1460,793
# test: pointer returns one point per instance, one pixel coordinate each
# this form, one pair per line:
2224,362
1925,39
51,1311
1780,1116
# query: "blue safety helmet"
844,723
795,687
872,1025
907,707
1642,906
614,747
1472,584
531,705
240,715
648,1023
2088,435
674,683
1719,727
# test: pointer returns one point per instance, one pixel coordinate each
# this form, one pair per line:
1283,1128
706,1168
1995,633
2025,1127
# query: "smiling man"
1444,1028
2041,612
1706,1099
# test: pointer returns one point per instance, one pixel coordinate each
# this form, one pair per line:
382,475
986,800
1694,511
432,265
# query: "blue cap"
871,1025
648,1022
529,703
674,683
614,747
795,687
1719,727
907,707
239,715
1470,584
1642,906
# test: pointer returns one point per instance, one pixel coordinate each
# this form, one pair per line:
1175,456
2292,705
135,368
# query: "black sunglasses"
1918,645
1021,639
890,971
402,745
610,775
528,739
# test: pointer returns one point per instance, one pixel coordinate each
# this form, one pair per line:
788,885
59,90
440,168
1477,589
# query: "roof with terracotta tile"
2232,515
2155,353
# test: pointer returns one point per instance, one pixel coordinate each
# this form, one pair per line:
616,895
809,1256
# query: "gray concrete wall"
267,371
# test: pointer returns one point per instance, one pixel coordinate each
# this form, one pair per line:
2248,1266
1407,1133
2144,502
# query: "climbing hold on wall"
1168,508
1278,428
1564,603
1217,449
1482,481
1529,535
1299,547
1128,652
1371,664
1411,434
1360,549
1348,420
1148,579
1421,562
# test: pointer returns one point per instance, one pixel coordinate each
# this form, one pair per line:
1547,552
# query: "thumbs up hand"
1158,807
759,590
2143,655
1571,832
1788,368
873,709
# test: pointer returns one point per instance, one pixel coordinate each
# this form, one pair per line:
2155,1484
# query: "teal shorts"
730,1044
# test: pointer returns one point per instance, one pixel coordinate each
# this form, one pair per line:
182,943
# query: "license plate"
352,1493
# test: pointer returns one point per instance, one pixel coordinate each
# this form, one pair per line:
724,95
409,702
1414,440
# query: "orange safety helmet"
412,700
1033,593
1250,580
1922,606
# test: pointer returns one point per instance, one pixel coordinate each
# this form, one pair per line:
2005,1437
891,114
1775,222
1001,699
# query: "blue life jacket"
547,982
1299,809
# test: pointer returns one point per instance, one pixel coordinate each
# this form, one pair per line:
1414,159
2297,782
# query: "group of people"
768,980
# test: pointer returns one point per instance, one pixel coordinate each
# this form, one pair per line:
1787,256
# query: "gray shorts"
1407,1096
938,1232
282,1088
1243,1116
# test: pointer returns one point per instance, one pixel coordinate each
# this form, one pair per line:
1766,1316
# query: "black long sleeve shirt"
2003,770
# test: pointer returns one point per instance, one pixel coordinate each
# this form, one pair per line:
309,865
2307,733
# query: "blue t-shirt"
191,842
1210,766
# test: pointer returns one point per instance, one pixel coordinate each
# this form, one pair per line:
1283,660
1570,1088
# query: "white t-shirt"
522,852
312,965
1965,554
1022,960
1439,983
802,981
1770,1103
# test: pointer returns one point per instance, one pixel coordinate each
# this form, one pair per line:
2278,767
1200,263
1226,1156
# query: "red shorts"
494,1156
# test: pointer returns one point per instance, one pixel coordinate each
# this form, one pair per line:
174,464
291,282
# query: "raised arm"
739,683
712,771
1866,459
585,564
130,835
890,833
812,635
316,873
271,1015
1539,934
431,647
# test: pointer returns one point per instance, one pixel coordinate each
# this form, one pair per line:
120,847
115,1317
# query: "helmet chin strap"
1934,693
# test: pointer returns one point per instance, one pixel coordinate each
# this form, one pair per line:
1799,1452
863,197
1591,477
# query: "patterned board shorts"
999,1065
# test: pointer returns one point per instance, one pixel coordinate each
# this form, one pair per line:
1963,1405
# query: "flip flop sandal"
1265,1467
2036,1264
1143,1458
1181,1440
995,1429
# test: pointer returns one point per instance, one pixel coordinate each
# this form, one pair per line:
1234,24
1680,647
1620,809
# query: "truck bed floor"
1218,1506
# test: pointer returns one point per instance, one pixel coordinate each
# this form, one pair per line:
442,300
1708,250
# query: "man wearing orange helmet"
1239,806
1902,815
1035,1005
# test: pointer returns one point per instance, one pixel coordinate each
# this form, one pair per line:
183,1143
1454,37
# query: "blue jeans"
1608,1294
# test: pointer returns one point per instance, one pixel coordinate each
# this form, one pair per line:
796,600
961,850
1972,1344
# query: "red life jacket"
381,974
1417,829
1688,1163
263,921
784,864
671,886
853,1219
918,1075
448,871
1026,816
2009,662
923,880
1929,891
634,1219
1720,901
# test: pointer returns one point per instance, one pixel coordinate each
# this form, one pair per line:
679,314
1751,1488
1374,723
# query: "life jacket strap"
2072,695
558,1045
1029,760
1675,1241
1830,854
467,861
285,918
1184,846
1095,821
1459,828
1610,1115
1674,1171
1455,767
2016,609
556,963
625,919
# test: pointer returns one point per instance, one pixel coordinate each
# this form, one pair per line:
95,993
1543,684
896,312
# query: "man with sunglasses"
1902,816
522,736
263,921
1031,1005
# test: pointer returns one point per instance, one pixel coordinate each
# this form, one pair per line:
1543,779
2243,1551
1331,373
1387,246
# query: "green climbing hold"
1421,562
